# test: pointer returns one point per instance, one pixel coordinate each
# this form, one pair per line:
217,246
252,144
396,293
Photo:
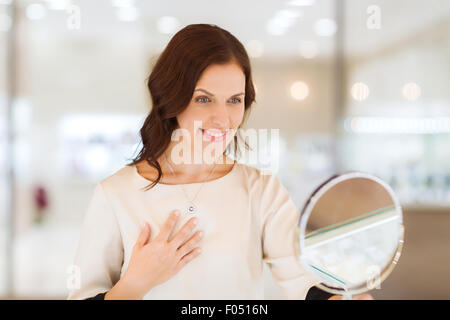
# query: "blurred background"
351,85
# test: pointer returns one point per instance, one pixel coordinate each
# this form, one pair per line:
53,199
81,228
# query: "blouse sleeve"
280,218
99,255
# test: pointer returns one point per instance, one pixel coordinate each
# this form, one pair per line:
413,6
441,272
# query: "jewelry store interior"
352,85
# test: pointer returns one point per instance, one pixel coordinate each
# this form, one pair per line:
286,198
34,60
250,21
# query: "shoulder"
119,180
266,188
267,192
261,179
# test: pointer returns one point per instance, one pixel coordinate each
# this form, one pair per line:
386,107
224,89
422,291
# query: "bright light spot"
301,3
325,27
360,91
92,145
287,15
58,4
411,91
255,49
122,3
385,125
299,90
282,21
36,11
308,49
275,28
96,158
168,24
83,126
5,22
127,13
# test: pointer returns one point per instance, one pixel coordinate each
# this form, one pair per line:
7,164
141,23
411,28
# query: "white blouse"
247,217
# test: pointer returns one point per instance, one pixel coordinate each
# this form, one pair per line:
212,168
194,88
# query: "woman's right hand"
154,262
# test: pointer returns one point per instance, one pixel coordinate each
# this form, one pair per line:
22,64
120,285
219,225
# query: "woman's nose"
220,118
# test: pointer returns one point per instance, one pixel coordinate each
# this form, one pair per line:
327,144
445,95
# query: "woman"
133,246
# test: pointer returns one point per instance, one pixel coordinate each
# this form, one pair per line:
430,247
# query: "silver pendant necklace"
192,207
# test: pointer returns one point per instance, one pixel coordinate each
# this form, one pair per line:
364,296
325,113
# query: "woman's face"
216,109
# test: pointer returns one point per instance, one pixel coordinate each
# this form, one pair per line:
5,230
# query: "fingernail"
177,213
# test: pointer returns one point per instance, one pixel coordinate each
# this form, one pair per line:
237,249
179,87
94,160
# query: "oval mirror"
350,233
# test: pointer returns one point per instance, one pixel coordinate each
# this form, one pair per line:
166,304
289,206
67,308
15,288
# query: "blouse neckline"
228,174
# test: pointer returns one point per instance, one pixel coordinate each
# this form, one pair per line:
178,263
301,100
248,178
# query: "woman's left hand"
363,296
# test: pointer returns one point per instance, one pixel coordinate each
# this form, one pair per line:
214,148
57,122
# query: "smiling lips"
214,135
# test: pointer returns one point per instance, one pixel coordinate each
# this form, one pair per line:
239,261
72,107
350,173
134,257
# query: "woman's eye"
202,99
206,99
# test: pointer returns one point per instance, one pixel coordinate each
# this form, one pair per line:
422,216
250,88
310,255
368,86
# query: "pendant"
191,209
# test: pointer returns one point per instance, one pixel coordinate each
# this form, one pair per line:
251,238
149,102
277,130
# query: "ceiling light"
398,125
58,4
122,3
325,27
287,14
168,24
275,28
299,90
282,20
36,11
411,91
127,13
360,91
301,3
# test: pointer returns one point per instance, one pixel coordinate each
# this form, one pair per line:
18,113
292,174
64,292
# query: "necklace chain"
191,208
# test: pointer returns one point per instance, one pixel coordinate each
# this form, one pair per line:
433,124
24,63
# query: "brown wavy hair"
172,82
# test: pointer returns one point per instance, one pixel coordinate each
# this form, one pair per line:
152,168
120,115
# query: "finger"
190,244
364,296
182,235
144,235
169,225
187,258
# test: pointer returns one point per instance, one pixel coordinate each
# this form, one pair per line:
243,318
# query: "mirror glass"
351,233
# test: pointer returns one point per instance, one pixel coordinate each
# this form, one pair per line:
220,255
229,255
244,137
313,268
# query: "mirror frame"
299,241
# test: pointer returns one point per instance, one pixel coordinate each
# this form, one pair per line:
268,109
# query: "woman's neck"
186,172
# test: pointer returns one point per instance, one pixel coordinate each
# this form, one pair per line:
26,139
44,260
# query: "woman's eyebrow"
207,92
